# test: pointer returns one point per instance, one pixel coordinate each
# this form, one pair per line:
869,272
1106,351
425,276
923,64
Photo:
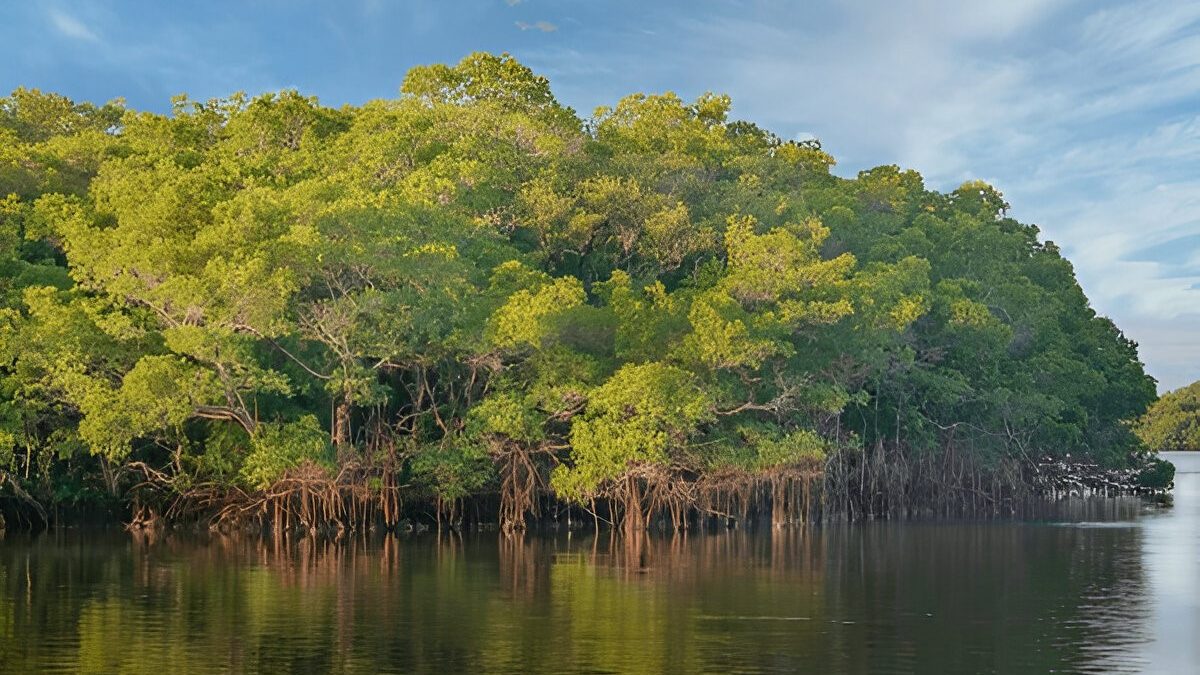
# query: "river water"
1105,586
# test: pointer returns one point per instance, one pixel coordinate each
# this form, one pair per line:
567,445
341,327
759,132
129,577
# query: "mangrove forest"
469,305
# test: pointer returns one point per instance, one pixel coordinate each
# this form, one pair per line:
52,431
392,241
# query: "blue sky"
1085,113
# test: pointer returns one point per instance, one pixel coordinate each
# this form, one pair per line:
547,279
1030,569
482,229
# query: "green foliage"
506,414
482,77
1157,475
1173,421
158,395
453,470
642,414
798,447
757,448
524,319
277,447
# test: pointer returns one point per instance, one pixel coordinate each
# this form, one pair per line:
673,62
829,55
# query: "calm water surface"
1108,586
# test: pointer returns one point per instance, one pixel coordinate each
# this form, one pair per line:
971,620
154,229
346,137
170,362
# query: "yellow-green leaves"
509,415
647,321
482,78
524,320
891,296
782,266
681,135
639,415
1173,421
671,236
971,316
277,448
797,447
159,393
964,312
722,338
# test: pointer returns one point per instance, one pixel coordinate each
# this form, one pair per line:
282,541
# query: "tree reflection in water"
877,597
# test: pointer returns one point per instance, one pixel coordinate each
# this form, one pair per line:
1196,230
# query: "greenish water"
1106,586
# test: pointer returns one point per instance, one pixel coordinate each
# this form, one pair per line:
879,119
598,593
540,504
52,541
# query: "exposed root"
520,484
24,496
306,499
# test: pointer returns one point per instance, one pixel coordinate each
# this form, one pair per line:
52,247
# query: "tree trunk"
341,424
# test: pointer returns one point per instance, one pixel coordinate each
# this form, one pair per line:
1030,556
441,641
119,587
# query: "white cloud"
70,26
1169,348
544,26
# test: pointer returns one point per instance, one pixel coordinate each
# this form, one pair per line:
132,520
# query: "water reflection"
1060,594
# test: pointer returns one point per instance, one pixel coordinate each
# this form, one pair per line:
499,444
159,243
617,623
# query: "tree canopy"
1172,423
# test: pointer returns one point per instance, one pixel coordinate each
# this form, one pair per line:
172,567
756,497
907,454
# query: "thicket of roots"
884,481
634,499
881,481
521,483
658,497
306,499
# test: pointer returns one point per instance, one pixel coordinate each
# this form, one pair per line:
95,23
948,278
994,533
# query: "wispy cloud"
513,3
544,26
70,26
